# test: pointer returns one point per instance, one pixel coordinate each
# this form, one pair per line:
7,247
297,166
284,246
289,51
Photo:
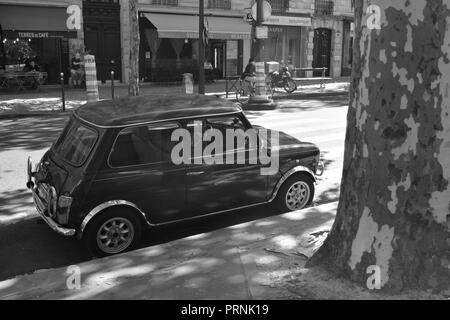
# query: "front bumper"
42,209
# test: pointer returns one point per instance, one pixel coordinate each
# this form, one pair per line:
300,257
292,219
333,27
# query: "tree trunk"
395,192
133,84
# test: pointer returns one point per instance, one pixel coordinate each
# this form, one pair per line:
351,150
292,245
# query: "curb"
299,95
12,115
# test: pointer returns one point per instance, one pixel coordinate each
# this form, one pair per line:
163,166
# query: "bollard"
188,83
112,85
260,85
63,96
91,78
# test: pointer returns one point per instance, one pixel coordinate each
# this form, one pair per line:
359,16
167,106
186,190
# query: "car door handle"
195,173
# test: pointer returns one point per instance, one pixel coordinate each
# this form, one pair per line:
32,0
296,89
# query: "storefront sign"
276,29
33,34
73,22
288,21
212,35
262,32
25,34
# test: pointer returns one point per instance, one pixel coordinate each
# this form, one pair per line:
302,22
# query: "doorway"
322,51
102,37
217,55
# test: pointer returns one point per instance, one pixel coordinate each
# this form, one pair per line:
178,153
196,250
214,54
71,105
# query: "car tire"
296,193
125,234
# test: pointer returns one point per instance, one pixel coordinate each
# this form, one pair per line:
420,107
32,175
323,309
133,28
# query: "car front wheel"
296,193
112,232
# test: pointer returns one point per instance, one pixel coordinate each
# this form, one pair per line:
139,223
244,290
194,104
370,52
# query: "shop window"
186,52
165,50
165,2
324,7
279,6
219,4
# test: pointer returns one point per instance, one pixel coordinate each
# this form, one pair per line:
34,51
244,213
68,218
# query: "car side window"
143,145
235,125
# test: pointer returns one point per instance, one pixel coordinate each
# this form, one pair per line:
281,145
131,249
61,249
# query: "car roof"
144,109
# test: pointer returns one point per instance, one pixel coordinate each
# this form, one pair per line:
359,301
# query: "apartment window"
219,4
165,2
324,7
279,6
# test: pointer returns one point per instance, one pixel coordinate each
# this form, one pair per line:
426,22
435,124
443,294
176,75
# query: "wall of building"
74,44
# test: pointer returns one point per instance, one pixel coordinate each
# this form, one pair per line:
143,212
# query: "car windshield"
75,143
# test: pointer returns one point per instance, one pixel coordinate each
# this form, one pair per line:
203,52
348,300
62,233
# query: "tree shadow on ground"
20,255
31,133
190,267
294,105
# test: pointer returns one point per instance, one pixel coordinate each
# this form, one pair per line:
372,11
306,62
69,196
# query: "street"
27,244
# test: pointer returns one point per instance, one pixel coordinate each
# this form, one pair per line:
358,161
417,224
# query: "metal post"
201,48
112,85
63,96
226,87
322,85
260,99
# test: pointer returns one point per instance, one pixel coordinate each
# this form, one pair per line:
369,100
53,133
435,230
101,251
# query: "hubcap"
115,235
297,195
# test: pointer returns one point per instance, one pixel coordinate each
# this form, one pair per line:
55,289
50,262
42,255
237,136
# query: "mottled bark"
133,84
394,208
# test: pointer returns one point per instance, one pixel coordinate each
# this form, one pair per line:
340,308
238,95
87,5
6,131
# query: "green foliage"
18,51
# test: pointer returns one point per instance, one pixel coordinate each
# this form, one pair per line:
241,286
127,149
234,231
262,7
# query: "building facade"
302,33
53,29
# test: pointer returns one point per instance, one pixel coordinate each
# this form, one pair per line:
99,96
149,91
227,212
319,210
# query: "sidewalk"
48,99
253,260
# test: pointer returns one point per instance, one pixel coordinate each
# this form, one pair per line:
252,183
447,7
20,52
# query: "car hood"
290,146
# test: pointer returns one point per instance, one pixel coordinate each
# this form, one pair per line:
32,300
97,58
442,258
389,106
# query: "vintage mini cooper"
111,172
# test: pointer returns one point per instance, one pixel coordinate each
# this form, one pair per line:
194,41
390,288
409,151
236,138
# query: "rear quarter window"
76,143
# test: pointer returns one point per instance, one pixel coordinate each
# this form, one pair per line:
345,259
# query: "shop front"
287,40
40,34
169,45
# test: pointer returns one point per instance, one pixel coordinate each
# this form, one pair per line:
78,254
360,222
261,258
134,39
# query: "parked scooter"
282,79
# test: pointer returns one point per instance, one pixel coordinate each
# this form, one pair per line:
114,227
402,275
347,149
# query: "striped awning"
186,26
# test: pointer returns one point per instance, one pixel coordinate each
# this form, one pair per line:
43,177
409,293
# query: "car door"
212,187
141,171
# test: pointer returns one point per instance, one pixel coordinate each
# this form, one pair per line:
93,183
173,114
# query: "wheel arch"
292,172
107,205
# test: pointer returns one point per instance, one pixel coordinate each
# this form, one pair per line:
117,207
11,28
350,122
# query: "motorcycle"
282,79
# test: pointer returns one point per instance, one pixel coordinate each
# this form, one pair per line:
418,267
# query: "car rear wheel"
114,231
296,193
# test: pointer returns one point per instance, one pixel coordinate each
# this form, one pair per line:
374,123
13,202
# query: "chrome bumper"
41,208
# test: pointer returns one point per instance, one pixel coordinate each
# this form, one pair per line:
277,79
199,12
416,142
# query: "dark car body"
76,180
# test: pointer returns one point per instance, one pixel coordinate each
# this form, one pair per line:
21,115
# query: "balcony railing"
279,6
324,8
172,3
219,4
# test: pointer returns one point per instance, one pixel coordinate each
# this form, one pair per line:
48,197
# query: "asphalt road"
27,244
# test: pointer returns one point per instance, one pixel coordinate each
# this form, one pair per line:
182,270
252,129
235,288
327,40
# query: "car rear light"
64,201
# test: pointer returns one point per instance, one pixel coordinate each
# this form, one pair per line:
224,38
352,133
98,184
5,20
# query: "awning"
186,26
34,22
